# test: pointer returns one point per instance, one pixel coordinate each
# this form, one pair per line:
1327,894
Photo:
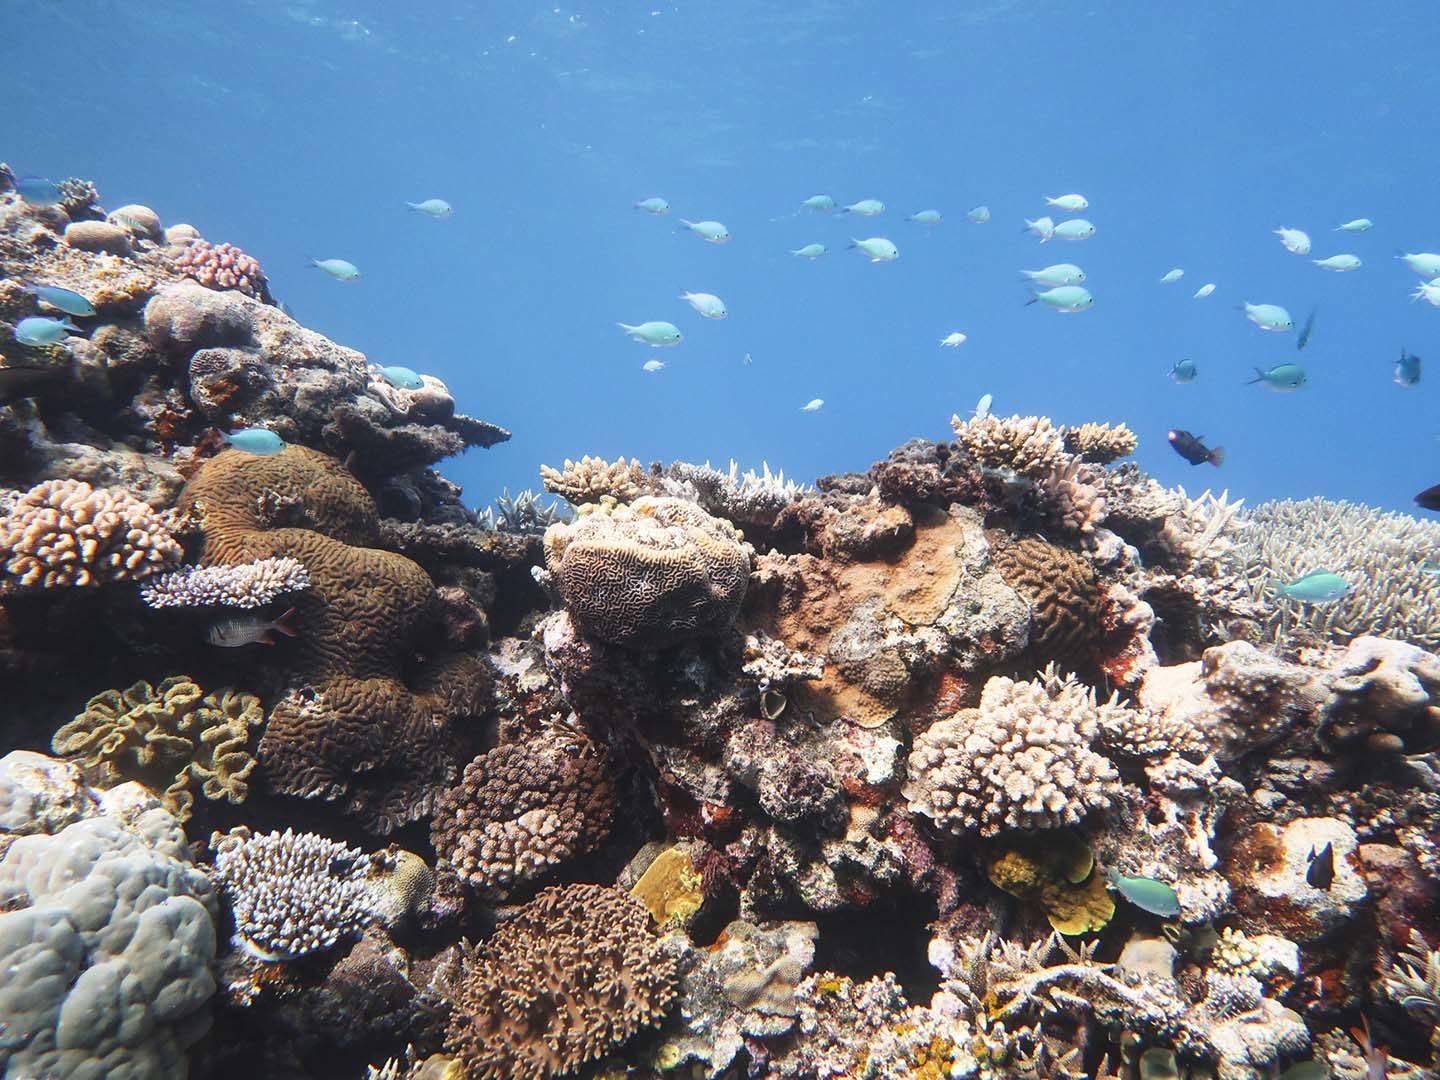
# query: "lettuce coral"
169,737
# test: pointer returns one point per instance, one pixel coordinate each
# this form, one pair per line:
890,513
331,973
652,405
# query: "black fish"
24,380
1429,499
1304,338
1193,450
1321,871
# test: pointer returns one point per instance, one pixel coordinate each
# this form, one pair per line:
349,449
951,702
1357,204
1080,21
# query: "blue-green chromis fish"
712,231
813,405
72,303
339,269
402,378
707,304
1424,263
435,208
1172,275
653,205
1268,316
42,330
810,251
1338,263
1407,369
1281,377
1074,229
819,202
1360,224
1184,371
37,191
1059,274
259,441
926,217
1065,299
979,215
1319,587
877,248
865,208
657,334
1146,893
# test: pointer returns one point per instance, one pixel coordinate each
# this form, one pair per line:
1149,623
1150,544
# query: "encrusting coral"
591,478
1021,760
64,533
170,737
521,809
574,974
651,573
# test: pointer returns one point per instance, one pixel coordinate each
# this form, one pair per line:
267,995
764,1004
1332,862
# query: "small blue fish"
1407,369
256,440
982,407
37,191
1319,587
865,208
1146,893
810,251
823,203
925,217
1268,316
402,378
72,303
1281,377
42,330
1184,371
979,215
339,269
241,630
653,205
1430,568
712,231
435,208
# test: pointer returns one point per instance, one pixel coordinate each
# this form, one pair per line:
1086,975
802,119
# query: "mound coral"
649,574
573,975
591,478
1390,593
1022,760
64,533
168,737
291,893
521,809
1064,598
350,728
1029,446
245,585
223,266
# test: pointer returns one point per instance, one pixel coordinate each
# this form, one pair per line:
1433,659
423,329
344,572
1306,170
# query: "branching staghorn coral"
591,478
1380,555
1022,760
244,585
66,533
524,513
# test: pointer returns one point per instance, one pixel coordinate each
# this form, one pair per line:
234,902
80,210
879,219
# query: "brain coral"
168,737
650,573
64,532
522,808
591,478
1063,594
292,893
223,266
1022,760
107,938
351,728
1376,553
573,975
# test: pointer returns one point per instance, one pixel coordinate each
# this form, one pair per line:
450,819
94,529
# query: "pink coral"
223,266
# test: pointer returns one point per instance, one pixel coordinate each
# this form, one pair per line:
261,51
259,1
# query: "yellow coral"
1059,874
167,737
670,888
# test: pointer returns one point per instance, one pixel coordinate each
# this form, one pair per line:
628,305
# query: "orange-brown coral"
1064,598
575,974
357,731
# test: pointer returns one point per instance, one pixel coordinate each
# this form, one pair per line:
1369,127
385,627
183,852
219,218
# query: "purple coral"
223,266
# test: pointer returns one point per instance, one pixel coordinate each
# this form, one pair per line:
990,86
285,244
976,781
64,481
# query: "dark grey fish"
25,380
1321,871
1304,338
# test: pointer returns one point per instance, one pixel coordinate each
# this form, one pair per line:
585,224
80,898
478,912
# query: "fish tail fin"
413,206
282,624
266,638
1217,456
1259,377
627,327
1032,300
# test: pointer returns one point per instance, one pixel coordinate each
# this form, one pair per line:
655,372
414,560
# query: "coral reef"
573,974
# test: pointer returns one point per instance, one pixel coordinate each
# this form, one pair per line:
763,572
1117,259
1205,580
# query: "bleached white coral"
1022,760
745,498
592,478
292,893
247,585
1030,446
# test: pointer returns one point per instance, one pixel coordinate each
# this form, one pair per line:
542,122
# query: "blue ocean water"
299,130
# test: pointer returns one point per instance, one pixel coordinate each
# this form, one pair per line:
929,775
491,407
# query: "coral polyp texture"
573,975
1021,760
718,774
291,893
650,573
65,533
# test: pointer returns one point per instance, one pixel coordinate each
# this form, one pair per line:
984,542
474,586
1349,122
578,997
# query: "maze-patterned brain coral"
575,974
650,573
1064,598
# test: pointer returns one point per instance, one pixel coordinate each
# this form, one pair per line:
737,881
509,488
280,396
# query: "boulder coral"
649,574
350,728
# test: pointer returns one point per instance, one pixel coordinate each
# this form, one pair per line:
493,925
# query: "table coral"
521,809
649,574
65,533
1022,760
572,975
169,737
